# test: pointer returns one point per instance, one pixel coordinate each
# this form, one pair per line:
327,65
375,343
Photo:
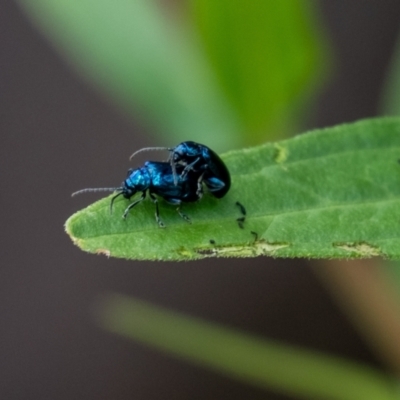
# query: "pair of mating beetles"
178,180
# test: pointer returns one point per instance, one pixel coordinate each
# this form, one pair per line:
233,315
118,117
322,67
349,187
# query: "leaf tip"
69,228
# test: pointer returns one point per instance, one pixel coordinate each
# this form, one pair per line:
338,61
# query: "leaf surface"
330,193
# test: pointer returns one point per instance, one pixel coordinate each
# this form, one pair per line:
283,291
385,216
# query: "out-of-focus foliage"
266,364
390,104
147,61
268,56
260,60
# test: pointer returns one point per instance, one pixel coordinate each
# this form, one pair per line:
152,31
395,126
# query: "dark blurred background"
55,132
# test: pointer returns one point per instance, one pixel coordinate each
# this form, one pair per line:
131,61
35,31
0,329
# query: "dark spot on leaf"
241,207
240,222
206,252
255,234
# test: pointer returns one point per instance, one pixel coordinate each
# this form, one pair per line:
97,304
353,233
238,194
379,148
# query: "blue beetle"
201,160
157,178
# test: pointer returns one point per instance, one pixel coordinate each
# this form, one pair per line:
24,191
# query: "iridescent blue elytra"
157,178
201,160
177,181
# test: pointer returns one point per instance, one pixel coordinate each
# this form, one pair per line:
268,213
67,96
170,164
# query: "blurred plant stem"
255,361
362,290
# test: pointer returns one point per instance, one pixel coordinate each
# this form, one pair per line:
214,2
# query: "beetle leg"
157,213
142,197
214,184
173,167
199,191
178,203
112,200
182,215
189,167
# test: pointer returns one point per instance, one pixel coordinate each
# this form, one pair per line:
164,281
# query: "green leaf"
240,356
268,56
144,59
333,192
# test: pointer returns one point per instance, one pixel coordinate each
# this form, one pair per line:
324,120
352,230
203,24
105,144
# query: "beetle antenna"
95,190
149,149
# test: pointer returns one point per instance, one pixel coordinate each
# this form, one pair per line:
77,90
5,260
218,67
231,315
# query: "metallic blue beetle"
201,160
157,178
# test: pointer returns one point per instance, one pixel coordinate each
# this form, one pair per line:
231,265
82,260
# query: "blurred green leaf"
145,60
265,59
269,56
329,193
240,356
390,102
390,105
